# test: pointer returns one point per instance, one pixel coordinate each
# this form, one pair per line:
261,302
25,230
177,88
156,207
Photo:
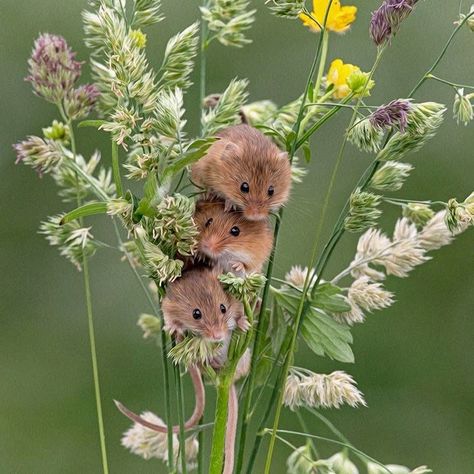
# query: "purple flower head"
393,115
80,102
386,20
42,155
53,68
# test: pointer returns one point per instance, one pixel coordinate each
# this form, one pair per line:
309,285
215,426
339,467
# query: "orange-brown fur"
242,253
200,289
245,155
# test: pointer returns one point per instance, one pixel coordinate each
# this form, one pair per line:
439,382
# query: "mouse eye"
197,313
271,191
244,187
235,231
223,309
208,222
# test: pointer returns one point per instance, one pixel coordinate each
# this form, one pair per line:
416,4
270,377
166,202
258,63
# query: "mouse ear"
229,150
283,155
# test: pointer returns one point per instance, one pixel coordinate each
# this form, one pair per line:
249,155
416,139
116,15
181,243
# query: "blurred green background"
414,362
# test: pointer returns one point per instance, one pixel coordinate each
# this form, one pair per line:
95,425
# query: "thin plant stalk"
260,324
95,368
116,169
90,323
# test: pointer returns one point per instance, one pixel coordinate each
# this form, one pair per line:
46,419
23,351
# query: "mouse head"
197,303
256,174
227,234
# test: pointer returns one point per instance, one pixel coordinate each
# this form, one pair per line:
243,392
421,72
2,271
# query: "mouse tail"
231,430
200,394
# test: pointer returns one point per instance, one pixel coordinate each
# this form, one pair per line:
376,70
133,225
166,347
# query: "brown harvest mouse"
247,170
196,303
230,240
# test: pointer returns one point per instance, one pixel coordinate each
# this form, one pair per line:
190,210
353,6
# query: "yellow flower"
338,75
339,18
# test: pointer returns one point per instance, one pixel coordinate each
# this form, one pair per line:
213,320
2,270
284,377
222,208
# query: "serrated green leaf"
325,336
88,209
329,298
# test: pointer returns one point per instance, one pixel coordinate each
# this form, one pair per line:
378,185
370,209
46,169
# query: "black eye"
244,187
209,222
271,191
197,314
235,231
223,309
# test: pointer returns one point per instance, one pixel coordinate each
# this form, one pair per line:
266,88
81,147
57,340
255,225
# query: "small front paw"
229,206
243,324
238,267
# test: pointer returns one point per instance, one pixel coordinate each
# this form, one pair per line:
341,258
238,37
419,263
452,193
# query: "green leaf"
91,123
271,132
290,138
325,336
89,209
329,298
194,152
146,204
307,152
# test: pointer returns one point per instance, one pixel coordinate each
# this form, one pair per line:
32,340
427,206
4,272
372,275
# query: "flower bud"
363,211
462,108
359,83
365,136
391,176
57,131
419,214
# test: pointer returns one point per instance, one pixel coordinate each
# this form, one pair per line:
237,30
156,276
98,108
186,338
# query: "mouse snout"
210,246
216,335
256,212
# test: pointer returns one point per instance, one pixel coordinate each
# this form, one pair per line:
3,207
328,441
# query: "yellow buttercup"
339,17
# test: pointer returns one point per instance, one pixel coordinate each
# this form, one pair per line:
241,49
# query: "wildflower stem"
304,427
166,391
200,456
323,120
449,83
220,423
95,369
116,169
441,55
322,62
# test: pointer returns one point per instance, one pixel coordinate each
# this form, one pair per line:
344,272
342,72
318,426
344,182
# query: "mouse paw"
243,324
238,267
229,206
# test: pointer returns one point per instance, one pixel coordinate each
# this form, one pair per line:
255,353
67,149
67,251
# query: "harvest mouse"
230,240
196,303
247,170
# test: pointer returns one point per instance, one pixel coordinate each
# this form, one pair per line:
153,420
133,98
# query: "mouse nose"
255,213
217,335
210,246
